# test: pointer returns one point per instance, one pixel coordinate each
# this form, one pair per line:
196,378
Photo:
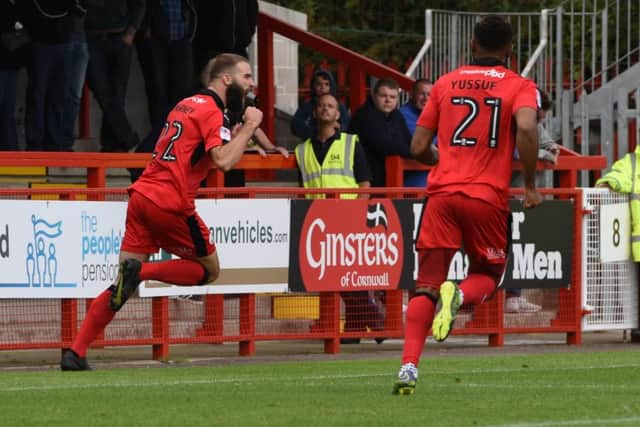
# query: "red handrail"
359,65
98,163
568,166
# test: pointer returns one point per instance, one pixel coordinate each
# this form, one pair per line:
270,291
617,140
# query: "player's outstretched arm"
421,148
226,156
527,143
265,144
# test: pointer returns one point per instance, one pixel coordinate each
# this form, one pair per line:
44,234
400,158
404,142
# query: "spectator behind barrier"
10,60
624,178
225,26
411,111
335,159
303,123
382,129
75,61
51,28
111,27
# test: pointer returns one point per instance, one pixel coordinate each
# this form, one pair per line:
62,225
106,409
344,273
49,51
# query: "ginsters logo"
354,246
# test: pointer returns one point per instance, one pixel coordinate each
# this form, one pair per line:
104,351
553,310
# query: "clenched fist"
252,116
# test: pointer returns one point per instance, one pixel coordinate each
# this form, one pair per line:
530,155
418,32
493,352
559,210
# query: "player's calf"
128,281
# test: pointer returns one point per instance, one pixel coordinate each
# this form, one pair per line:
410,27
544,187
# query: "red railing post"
213,323
330,320
497,339
266,78
68,321
96,177
215,178
393,311
160,327
247,345
394,171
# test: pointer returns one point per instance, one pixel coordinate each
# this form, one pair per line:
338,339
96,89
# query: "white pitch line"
603,421
71,386
279,379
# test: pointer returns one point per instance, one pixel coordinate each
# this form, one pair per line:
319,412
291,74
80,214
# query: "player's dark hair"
223,63
493,33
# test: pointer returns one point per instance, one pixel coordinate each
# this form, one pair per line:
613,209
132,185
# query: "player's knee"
493,271
210,275
428,292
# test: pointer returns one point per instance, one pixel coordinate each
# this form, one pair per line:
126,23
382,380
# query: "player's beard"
235,98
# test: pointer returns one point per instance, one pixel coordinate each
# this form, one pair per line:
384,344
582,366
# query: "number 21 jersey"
472,111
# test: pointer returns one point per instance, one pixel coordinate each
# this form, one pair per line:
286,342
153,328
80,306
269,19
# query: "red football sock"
97,318
420,315
182,272
476,289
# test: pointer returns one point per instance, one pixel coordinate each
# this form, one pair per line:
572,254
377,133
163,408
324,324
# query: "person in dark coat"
50,27
111,27
10,60
382,129
303,123
226,26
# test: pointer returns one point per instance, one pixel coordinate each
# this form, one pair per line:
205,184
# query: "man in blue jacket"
411,111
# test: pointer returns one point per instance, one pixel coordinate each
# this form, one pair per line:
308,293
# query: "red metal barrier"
246,319
569,164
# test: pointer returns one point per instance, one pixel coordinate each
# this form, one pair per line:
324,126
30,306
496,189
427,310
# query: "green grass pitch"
568,389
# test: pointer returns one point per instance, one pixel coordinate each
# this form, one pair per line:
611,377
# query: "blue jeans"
45,97
75,62
8,133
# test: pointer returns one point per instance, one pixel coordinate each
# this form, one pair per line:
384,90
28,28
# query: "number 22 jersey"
472,111
181,158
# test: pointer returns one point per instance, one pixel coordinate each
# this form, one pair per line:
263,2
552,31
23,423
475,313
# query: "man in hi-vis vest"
624,177
334,159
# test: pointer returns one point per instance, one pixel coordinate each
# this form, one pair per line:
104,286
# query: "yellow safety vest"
336,170
623,178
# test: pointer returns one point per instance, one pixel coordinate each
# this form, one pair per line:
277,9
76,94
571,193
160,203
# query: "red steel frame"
487,319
